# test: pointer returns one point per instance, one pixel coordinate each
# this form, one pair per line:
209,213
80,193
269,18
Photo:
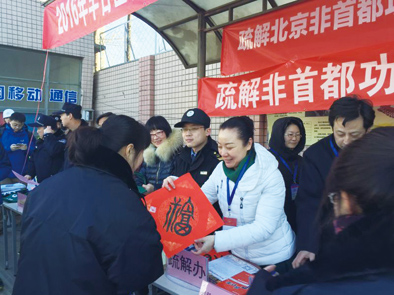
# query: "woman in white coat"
251,193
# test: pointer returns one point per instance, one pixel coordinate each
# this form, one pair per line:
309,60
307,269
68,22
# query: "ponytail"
83,145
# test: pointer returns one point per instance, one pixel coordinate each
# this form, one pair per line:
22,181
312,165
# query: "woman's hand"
28,177
204,245
14,147
302,257
148,187
168,183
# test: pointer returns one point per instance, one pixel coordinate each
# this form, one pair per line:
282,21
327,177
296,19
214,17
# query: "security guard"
200,156
48,157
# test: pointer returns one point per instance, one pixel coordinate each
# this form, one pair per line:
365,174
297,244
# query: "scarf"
233,174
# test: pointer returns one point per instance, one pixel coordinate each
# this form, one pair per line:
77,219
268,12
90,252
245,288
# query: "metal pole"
202,46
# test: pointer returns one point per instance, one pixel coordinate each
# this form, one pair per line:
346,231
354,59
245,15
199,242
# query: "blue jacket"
18,157
5,165
86,231
48,156
158,161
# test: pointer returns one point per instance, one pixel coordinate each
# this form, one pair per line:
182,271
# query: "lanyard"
294,173
333,148
230,197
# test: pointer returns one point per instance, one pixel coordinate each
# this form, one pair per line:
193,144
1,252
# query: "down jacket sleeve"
5,165
137,244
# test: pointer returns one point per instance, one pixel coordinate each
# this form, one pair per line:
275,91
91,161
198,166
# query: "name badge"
203,172
294,190
229,222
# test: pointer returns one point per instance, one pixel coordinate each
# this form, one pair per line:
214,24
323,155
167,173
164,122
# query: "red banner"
68,20
182,215
303,85
305,30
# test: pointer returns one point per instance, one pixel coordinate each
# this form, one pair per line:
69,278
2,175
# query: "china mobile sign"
33,94
68,20
303,85
305,30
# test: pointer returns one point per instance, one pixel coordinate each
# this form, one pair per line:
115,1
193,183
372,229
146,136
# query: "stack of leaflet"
9,192
232,274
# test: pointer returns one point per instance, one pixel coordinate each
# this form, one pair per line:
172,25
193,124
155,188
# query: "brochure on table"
229,274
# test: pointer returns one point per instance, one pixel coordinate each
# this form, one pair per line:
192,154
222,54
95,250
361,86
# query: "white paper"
225,267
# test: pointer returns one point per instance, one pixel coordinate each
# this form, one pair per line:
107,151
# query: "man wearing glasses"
350,119
200,154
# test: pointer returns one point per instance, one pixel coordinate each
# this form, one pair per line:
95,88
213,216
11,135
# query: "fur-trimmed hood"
166,150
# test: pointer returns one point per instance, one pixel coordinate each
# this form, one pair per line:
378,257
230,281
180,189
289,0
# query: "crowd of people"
321,219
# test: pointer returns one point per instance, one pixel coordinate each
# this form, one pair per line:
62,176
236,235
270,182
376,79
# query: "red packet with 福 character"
182,215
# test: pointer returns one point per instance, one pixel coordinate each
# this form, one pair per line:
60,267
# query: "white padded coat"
262,234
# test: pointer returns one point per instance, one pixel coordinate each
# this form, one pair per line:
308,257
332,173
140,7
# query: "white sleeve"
268,213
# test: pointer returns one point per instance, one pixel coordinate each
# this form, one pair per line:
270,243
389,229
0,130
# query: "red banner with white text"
303,85
68,20
305,30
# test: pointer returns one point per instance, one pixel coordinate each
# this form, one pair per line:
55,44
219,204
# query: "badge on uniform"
228,221
294,190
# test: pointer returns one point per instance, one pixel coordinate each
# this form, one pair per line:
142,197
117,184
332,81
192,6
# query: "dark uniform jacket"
318,159
86,231
291,158
202,167
48,156
357,261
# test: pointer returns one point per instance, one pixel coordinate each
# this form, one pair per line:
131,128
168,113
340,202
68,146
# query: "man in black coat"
350,118
48,156
71,117
200,156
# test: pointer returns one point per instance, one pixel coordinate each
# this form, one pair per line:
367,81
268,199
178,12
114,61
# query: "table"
173,286
10,209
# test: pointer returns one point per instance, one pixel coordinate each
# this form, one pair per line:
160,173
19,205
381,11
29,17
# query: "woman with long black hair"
86,230
286,142
357,256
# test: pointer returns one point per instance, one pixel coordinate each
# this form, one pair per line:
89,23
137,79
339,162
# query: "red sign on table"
303,85
305,30
182,214
68,20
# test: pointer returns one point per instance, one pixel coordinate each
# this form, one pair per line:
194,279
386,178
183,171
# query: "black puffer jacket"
158,161
359,260
85,231
291,158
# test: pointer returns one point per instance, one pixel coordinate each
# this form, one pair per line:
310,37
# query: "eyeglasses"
192,129
333,197
16,125
291,135
158,133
